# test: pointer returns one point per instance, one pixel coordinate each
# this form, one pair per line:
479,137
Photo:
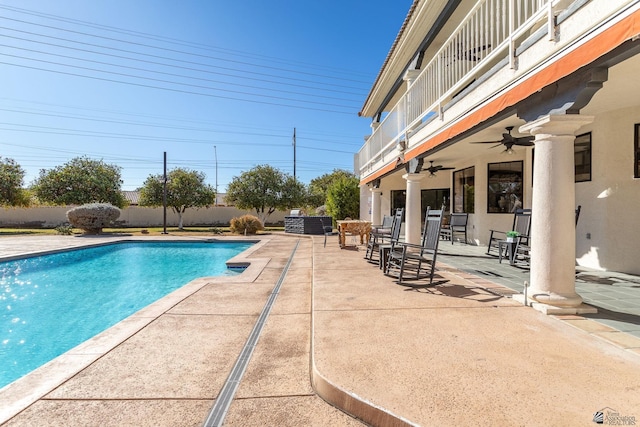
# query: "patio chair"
522,251
521,224
385,227
406,261
327,230
384,236
457,224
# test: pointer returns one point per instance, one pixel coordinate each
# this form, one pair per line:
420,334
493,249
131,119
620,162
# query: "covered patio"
615,295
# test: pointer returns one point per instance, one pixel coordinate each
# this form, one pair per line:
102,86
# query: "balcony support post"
376,206
553,238
412,208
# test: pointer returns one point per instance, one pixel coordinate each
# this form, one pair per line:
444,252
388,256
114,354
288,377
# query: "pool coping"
20,394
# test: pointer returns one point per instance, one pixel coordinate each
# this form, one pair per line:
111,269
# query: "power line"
128,58
176,51
111,135
172,40
281,98
111,48
166,74
174,90
344,139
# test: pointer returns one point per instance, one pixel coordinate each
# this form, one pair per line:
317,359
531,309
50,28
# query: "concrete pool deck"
458,353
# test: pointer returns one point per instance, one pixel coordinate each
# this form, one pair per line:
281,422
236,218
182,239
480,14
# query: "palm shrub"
93,217
246,224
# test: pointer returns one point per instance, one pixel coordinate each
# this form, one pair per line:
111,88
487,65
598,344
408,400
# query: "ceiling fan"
435,168
509,141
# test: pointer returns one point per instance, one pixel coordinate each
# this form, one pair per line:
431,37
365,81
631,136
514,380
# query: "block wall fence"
133,216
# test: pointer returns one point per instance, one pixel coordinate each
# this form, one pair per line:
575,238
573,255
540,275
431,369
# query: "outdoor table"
510,248
354,226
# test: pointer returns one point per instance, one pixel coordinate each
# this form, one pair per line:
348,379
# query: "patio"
340,332
616,295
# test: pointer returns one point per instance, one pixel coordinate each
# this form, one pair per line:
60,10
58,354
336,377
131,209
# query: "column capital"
556,124
375,190
413,176
411,75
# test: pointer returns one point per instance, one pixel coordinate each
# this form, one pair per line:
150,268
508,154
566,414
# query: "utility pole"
215,153
164,195
294,154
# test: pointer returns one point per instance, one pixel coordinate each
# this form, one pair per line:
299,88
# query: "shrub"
216,230
343,198
93,217
65,229
246,224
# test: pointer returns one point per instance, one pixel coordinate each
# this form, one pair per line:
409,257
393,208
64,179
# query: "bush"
216,230
343,198
246,224
93,217
65,229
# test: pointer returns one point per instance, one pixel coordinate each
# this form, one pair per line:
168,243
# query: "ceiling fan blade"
487,142
498,144
526,141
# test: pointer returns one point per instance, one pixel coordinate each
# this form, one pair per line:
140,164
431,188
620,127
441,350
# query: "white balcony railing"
489,31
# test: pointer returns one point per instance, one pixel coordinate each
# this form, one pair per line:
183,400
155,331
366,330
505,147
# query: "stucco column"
376,204
410,76
553,234
412,212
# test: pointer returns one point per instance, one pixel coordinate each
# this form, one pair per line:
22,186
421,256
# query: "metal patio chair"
327,230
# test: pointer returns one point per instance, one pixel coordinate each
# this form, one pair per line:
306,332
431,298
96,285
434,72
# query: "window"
398,199
504,190
582,155
464,190
435,198
636,153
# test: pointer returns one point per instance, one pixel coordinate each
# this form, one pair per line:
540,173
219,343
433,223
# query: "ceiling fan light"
509,151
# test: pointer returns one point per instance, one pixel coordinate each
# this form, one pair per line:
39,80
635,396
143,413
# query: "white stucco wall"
611,200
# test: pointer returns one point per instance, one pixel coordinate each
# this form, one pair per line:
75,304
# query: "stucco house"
465,80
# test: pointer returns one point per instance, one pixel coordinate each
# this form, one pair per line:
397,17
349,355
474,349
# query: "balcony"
497,44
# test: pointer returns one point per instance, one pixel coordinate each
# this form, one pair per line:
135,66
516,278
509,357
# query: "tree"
318,186
343,198
265,189
11,180
80,181
185,189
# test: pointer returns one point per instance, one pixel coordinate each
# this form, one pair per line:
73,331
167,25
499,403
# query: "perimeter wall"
133,216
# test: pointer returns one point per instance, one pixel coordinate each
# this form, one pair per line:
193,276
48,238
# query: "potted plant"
511,236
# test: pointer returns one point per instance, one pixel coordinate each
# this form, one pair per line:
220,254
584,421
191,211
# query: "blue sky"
124,81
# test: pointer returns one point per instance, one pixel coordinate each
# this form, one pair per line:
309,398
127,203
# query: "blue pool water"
51,303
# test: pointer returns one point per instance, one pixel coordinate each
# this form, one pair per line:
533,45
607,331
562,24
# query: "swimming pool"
51,303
